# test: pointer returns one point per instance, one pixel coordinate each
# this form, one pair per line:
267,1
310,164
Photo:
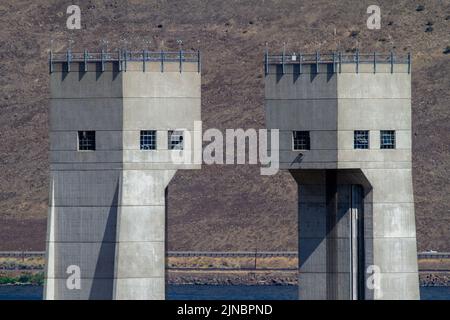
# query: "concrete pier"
345,136
107,208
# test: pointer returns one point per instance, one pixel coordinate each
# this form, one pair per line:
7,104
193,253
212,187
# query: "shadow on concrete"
279,72
81,71
295,72
313,72
103,278
98,70
337,205
330,72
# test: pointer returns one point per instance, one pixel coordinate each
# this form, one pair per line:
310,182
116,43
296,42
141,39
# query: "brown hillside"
220,207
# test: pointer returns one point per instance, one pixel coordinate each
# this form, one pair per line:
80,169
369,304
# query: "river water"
208,292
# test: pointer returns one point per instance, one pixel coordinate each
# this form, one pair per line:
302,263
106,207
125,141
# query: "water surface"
208,292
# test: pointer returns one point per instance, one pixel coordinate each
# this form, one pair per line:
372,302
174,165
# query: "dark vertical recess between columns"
331,219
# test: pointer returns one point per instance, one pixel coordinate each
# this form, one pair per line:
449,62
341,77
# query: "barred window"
175,140
387,139
301,140
86,140
361,139
148,140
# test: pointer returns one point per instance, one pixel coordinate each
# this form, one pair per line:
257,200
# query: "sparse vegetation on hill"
220,207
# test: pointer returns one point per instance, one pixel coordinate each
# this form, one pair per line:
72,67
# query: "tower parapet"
120,128
345,135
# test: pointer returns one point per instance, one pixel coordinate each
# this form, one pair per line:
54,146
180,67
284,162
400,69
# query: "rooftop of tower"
336,59
122,56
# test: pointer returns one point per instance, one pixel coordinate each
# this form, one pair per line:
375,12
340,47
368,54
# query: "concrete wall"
306,101
382,101
107,210
331,105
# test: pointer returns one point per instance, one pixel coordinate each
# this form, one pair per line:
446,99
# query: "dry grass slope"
220,207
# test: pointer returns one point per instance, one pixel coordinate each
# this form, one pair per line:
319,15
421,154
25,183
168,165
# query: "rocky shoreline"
271,278
232,278
219,271
434,279
252,279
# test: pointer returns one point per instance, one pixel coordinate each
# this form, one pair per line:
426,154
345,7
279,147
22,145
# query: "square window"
175,140
387,139
148,140
86,140
301,140
361,139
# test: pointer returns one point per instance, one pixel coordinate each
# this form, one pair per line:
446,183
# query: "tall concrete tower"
345,136
121,125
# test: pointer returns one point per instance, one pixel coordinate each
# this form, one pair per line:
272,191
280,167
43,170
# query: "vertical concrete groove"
331,244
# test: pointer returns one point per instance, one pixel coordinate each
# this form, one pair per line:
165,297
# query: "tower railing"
335,58
123,56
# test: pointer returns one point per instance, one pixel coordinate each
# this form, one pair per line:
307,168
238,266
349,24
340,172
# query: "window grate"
387,139
175,140
148,140
86,140
361,139
301,140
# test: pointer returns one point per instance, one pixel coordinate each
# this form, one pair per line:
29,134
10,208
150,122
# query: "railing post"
340,61
266,61
126,59
103,60
334,62
282,60
374,62
50,61
85,58
199,62
144,54
68,60
357,60
119,59
162,61
409,62
181,60
300,60
392,62
317,61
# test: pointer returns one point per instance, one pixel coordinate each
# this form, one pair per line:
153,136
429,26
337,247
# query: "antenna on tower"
125,41
50,58
266,58
180,44
70,42
147,44
391,40
104,45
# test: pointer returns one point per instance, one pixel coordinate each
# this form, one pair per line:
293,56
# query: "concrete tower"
121,125
345,136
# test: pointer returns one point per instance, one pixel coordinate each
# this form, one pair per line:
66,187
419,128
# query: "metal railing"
421,255
336,59
123,56
22,254
433,255
232,254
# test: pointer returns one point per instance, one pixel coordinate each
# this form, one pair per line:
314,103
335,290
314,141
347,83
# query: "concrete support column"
332,241
331,231
140,251
107,210
324,236
390,206
81,236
